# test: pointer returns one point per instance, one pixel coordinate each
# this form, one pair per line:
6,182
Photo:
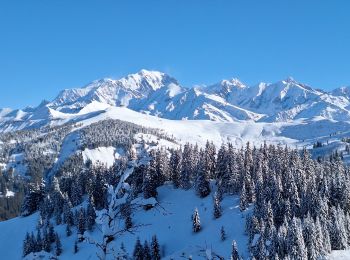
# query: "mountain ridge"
157,93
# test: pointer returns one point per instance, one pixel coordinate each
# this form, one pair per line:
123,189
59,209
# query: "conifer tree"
151,179
46,241
196,225
175,167
68,230
75,248
138,250
27,249
222,234
234,253
58,245
202,182
146,251
155,249
122,254
217,207
90,216
81,223
243,199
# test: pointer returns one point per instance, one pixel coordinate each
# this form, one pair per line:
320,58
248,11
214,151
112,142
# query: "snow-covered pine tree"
187,167
151,179
58,246
138,250
75,248
175,166
68,230
90,216
155,248
295,241
38,241
243,204
46,241
210,158
81,224
234,253
217,206
162,167
202,181
196,223
27,245
222,234
146,251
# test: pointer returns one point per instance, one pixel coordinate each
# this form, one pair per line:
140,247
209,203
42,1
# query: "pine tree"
202,182
68,230
75,248
150,179
175,167
234,254
196,226
46,241
217,207
122,254
90,216
295,241
67,213
243,199
39,241
138,250
187,167
58,245
222,234
81,223
155,249
146,251
27,245
51,233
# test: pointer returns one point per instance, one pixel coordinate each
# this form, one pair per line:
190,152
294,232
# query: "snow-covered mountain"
159,94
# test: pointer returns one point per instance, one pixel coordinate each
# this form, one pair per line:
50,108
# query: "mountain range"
156,93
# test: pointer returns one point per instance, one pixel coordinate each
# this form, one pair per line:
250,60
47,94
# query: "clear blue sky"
46,46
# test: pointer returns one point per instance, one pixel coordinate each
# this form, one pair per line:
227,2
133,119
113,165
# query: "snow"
12,235
104,155
7,194
170,221
340,255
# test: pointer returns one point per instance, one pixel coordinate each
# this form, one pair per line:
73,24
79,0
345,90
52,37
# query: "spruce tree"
39,241
234,253
27,245
243,199
46,241
146,251
138,250
155,249
217,207
75,248
58,245
90,216
122,254
175,167
202,181
196,225
150,179
222,234
81,223
68,230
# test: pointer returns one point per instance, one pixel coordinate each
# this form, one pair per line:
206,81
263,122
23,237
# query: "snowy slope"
170,221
